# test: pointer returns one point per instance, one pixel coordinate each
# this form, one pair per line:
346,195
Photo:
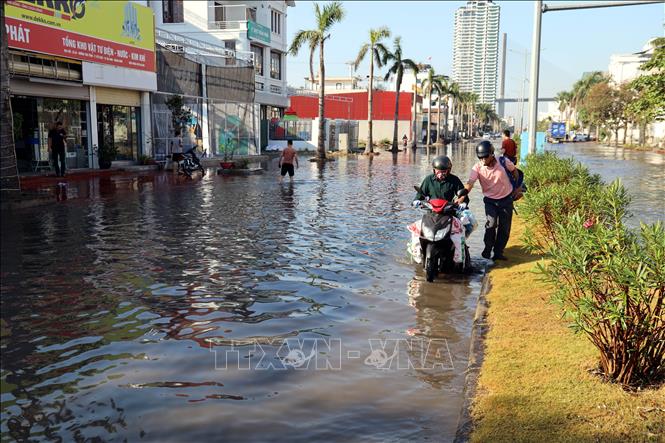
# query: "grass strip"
537,382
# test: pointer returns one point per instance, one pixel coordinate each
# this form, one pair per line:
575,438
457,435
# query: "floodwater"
642,174
232,309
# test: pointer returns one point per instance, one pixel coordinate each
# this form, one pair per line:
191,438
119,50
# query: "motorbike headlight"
427,233
441,234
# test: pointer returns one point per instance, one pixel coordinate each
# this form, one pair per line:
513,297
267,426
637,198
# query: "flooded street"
233,309
642,173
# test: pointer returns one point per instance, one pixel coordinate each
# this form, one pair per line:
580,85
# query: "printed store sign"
119,33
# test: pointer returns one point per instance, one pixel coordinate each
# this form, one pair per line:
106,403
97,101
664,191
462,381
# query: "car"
486,135
581,138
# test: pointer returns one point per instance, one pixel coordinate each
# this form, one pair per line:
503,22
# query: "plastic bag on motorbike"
468,221
413,247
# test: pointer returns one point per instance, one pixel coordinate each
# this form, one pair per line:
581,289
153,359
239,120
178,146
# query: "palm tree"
486,114
454,92
399,65
377,53
325,18
582,87
442,92
430,84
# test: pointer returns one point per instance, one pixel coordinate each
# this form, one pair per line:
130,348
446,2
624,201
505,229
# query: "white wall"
384,129
117,77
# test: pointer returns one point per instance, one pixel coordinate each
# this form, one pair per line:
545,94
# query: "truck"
557,132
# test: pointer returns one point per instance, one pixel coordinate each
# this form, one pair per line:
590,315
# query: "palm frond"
311,37
332,13
361,55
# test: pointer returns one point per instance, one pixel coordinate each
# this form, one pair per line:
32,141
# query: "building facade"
257,28
476,49
90,67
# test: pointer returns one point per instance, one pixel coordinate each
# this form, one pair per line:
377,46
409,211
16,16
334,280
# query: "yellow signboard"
113,32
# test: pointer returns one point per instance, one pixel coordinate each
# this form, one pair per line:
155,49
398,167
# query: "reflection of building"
476,49
96,80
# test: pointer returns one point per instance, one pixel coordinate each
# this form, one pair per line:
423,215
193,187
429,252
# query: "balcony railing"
229,16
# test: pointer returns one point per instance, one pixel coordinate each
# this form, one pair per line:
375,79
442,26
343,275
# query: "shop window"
275,65
258,59
172,11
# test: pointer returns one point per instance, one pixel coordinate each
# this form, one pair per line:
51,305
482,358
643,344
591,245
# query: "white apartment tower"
476,49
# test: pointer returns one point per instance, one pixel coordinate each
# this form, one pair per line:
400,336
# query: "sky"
573,42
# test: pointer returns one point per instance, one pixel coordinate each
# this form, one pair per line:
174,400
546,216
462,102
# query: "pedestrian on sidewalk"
509,147
56,147
498,197
286,160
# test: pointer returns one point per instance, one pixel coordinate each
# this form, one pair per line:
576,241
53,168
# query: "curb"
476,356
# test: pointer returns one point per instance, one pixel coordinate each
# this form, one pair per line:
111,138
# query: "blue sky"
573,42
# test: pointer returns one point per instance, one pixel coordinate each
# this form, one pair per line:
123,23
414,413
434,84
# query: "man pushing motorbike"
498,197
440,183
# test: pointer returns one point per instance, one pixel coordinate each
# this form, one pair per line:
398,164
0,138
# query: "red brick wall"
383,107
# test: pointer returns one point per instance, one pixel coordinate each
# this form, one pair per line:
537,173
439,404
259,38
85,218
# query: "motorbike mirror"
462,192
417,188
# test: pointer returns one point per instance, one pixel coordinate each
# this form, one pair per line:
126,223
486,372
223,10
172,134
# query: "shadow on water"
159,308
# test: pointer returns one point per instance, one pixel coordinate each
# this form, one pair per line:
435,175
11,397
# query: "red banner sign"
54,41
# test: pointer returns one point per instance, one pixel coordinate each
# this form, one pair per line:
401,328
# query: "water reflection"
113,299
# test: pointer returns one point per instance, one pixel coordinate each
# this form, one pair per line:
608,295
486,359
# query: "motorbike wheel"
467,261
430,263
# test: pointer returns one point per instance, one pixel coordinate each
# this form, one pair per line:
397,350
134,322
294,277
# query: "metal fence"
232,127
290,130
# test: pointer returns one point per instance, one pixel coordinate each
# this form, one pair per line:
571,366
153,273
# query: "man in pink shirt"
498,191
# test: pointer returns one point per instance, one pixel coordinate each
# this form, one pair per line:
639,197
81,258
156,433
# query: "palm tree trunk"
438,123
398,84
370,146
625,132
321,148
429,118
311,67
445,121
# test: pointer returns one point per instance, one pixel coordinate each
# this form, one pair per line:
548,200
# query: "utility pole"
539,9
502,83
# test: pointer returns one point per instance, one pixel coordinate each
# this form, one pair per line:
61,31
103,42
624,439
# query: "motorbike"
188,162
438,227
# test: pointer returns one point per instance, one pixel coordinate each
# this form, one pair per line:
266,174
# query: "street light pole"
539,9
535,68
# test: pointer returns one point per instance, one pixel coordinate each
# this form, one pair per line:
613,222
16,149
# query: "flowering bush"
609,280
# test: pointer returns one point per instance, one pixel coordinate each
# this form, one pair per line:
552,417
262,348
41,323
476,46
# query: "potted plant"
227,147
107,153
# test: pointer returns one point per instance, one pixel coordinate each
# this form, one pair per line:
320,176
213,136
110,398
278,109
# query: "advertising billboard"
118,33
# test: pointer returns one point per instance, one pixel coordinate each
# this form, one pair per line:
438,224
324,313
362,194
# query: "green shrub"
609,281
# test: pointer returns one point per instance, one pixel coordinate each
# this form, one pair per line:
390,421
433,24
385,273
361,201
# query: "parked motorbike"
188,162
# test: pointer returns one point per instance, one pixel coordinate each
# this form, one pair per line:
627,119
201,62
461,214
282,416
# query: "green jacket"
445,189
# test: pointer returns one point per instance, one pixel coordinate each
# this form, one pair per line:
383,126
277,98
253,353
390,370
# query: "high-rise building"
476,49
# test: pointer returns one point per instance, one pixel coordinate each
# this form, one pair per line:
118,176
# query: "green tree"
377,54
431,84
325,17
582,87
649,103
398,65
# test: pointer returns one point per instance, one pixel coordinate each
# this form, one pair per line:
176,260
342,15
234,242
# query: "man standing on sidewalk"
286,160
56,146
509,147
498,192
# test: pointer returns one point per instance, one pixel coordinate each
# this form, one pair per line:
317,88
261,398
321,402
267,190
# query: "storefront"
119,122
94,74
38,102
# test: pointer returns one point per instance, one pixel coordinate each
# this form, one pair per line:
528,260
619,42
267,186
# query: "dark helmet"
442,163
484,149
